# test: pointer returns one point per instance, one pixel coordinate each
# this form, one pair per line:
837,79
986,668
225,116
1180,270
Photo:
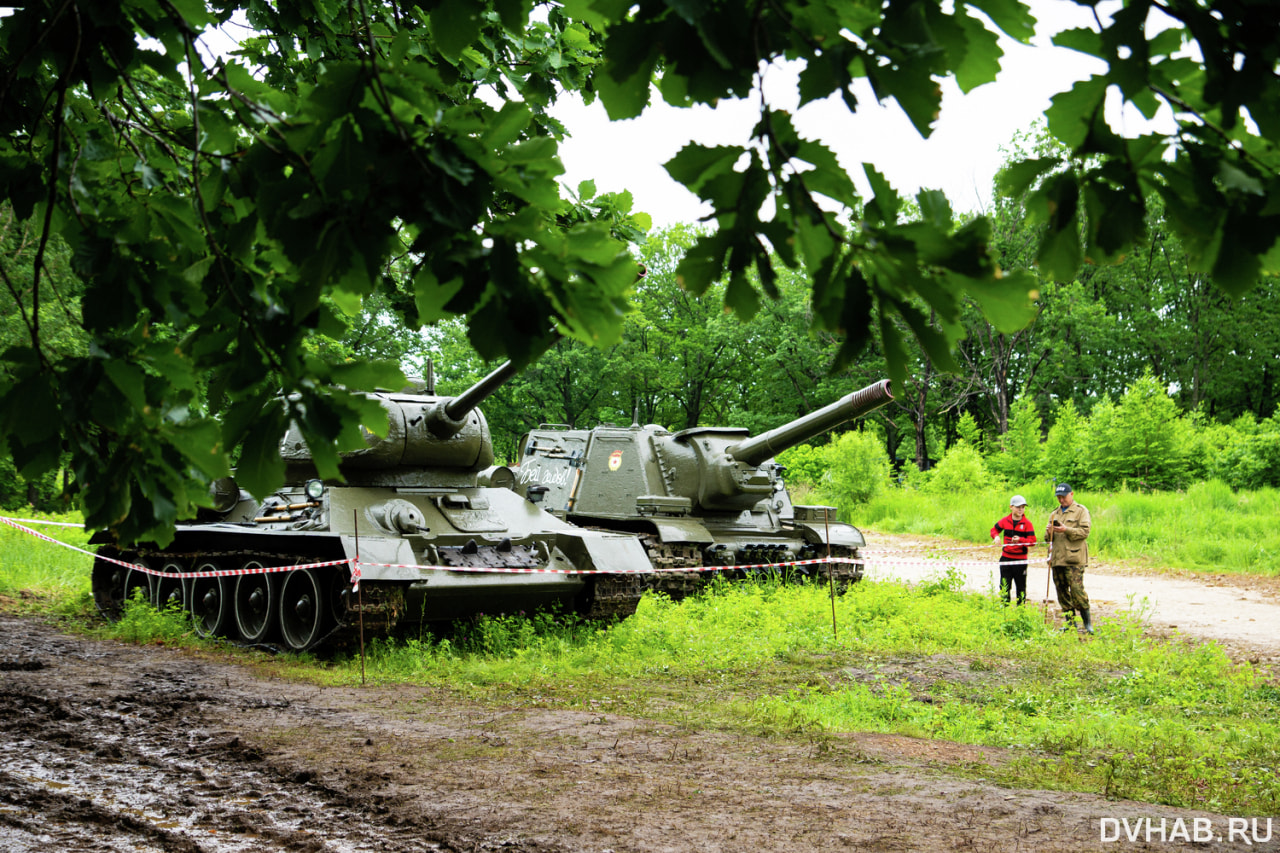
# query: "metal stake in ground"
355,530
1048,577
831,580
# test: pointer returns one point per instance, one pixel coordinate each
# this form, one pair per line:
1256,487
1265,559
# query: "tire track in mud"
101,757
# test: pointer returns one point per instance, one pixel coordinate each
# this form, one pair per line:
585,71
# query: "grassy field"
1121,715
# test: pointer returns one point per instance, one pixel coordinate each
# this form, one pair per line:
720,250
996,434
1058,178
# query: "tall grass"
1207,528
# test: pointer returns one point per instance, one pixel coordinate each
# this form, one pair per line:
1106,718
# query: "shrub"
911,477
857,466
1019,459
960,470
804,463
1065,456
968,431
1141,441
1212,446
1253,461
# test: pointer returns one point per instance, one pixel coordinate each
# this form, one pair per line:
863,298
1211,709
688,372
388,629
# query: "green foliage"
252,202
141,623
1066,449
959,471
1141,441
43,493
805,464
948,581
1211,444
1019,459
1252,460
857,467
37,575
968,431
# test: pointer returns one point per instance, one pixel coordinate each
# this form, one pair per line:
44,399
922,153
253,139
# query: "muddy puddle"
96,762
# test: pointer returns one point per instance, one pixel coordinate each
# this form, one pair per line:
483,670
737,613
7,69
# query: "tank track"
376,609
616,596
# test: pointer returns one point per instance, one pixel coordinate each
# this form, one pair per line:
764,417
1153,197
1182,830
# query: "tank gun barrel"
447,417
754,451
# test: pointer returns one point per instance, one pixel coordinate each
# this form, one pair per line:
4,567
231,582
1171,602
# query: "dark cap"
1062,489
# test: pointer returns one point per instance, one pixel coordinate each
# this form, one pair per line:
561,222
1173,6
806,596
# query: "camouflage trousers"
1069,581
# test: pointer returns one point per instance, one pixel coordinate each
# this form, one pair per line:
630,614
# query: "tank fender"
681,530
841,534
602,552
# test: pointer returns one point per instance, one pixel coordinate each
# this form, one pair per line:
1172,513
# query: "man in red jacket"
1018,532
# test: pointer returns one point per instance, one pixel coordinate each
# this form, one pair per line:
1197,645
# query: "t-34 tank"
420,497
708,496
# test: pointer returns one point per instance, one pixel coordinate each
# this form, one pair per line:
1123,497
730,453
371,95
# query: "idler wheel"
212,603
303,609
254,604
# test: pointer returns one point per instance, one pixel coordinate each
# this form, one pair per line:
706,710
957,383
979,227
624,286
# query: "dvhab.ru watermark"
1233,830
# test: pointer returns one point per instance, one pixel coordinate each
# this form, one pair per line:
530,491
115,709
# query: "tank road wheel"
304,610
170,593
135,580
212,603
254,604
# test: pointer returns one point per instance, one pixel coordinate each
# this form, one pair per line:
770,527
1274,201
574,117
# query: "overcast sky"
960,158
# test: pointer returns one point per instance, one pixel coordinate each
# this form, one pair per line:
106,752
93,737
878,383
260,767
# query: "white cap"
1017,500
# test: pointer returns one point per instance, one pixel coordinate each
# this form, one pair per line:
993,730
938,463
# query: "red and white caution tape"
647,571
870,558
219,573
45,522
881,552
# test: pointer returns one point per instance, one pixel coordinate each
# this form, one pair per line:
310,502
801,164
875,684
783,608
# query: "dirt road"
1240,612
119,748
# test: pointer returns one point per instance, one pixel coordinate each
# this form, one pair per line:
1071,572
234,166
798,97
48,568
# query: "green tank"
418,508
702,497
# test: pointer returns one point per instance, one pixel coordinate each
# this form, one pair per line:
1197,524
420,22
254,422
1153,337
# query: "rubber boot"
1069,621
1084,617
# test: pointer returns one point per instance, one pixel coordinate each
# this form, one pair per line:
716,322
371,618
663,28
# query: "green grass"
39,576
1208,528
1121,715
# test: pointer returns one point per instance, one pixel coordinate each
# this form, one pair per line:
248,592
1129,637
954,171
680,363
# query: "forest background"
1137,375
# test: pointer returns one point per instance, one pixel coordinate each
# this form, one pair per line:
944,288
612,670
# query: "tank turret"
434,438
699,497
419,509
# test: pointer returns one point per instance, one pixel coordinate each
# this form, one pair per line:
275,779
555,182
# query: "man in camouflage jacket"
1067,532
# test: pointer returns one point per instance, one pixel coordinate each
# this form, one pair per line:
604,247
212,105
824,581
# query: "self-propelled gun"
702,497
